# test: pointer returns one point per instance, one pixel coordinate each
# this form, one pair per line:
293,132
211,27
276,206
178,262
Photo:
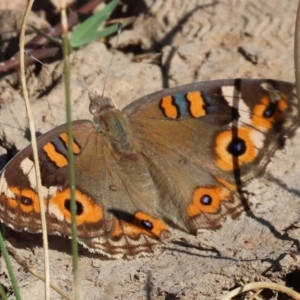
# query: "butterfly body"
177,157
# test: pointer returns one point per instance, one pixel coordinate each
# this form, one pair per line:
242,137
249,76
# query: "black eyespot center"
269,111
26,201
147,224
206,200
79,207
237,146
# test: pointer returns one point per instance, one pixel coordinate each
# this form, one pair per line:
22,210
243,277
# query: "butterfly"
177,157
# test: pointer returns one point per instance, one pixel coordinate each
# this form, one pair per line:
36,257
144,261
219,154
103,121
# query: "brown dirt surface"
196,40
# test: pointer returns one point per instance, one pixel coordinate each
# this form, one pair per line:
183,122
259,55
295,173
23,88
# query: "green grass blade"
2,293
46,36
87,30
9,268
71,160
104,32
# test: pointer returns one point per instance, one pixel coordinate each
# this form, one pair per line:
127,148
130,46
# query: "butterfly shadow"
200,247
274,263
31,241
27,240
285,236
283,185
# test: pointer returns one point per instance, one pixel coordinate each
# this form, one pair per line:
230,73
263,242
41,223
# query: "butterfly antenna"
27,53
111,59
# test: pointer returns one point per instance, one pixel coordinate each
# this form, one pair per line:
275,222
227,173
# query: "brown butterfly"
177,157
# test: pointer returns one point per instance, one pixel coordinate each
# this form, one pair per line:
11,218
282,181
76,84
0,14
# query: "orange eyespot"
141,223
235,147
207,200
86,210
267,113
26,199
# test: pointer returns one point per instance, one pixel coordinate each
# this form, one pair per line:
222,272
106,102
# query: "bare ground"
198,40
